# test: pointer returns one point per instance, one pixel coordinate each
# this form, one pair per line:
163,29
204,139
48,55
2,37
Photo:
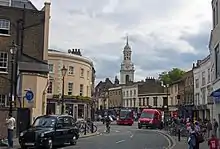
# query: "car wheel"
50,144
73,141
139,126
23,147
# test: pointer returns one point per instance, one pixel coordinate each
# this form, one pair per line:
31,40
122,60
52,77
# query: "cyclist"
108,120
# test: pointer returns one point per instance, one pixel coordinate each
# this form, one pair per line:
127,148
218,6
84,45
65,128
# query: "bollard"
85,129
92,128
178,134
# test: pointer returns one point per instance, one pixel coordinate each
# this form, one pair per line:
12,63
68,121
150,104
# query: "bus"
126,117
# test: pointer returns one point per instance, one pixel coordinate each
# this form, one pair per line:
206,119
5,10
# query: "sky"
162,34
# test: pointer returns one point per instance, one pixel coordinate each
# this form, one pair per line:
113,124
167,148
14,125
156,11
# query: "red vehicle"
126,117
150,118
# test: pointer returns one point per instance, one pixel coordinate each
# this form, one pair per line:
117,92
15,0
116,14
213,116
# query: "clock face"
127,66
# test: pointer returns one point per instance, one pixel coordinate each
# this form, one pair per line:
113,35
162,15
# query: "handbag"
200,138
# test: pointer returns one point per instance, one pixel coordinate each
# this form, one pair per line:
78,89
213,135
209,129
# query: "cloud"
162,34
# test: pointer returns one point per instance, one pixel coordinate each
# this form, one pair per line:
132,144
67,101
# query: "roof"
21,3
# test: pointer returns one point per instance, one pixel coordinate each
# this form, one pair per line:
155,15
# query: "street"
123,137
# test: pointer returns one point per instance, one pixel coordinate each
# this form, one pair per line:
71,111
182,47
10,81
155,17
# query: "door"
68,126
23,119
60,131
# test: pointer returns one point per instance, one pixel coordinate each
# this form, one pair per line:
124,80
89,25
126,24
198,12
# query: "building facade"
127,67
78,82
215,58
174,95
27,53
130,95
186,94
115,97
202,88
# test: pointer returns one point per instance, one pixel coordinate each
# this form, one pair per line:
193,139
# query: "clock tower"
127,67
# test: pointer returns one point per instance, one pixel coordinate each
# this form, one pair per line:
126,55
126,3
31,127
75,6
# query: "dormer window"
5,2
4,26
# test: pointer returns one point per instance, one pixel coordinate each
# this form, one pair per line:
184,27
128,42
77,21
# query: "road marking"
131,136
117,131
119,141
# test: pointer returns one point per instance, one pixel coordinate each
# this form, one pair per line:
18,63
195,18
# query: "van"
150,118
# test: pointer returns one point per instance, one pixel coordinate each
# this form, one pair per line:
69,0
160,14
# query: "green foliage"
171,76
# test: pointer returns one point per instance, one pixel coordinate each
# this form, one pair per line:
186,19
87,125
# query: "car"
48,131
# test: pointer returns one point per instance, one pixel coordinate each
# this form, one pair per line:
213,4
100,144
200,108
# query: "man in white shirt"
10,122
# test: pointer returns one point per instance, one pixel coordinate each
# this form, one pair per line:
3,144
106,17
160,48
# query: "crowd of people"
199,131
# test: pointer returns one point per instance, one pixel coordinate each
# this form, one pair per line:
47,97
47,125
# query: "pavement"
123,137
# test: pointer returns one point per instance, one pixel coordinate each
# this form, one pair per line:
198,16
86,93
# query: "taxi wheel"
73,141
139,127
50,144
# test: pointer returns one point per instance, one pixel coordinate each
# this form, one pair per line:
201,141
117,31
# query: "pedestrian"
10,122
213,142
215,127
199,137
209,128
192,138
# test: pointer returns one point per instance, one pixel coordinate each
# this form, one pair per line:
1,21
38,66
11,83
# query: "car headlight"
42,135
21,134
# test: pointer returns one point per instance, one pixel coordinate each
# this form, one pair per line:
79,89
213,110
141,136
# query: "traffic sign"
29,95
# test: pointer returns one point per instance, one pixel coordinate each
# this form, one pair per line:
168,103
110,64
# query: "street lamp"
63,71
13,51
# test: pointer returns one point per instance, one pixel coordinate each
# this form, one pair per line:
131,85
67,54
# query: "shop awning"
216,95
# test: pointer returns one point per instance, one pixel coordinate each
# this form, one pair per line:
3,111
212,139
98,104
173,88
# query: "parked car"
48,131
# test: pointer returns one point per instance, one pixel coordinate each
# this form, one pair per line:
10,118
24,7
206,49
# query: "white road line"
117,131
119,141
131,136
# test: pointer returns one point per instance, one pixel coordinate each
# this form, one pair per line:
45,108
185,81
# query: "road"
123,137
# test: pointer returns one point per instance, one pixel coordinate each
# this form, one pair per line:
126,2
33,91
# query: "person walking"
10,122
192,138
209,128
215,127
213,142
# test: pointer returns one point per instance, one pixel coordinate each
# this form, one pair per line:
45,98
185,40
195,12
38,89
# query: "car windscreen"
149,115
125,114
44,122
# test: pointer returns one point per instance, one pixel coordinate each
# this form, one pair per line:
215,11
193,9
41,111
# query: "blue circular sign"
29,95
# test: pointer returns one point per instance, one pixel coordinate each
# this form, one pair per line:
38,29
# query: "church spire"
127,47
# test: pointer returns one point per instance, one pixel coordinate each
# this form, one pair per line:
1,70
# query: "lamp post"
13,51
63,71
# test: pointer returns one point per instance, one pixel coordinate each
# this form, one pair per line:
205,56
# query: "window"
139,101
87,91
71,70
197,83
123,93
213,18
5,2
50,68
217,62
216,12
134,92
70,88
81,90
155,101
130,93
3,101
3,62
4,26
143,101
203,78
147,101
209,76
50,88
127,94
81,72
87,74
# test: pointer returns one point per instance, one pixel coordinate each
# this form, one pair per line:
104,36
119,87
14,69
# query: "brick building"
21,23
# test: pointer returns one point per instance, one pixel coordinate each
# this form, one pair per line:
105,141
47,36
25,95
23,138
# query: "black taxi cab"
48,131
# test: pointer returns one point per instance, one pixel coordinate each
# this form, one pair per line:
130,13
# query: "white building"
215,55
202,88
127,67
130,95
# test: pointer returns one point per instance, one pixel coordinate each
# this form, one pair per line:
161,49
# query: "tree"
171,76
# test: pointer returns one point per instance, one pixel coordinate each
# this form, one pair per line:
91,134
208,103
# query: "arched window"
127,78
